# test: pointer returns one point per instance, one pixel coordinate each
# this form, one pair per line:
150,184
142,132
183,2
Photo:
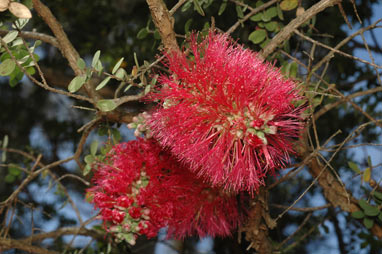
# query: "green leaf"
198,8
5,141
259,3
93,147
103,83
116,135
156,35
271,26
358,214
257,36
368,222
20,23
89,159
10,36
14,170
369,161
222,8
264,43
380,216
147,89
120,73
7,67
77,83
87,169
288,5
142,33
257,17
265,17
354,167
81,63
239,11
186,6
368,209
377,194
187,26
96,58
106,105
98,67
102,131
366,175
128,87
280,12
117,65
9,178
293,69
271,12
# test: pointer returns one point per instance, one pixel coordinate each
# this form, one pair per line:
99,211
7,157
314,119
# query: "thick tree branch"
256,228
164,23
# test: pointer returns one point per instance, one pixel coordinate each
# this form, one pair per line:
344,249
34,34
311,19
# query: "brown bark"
164,23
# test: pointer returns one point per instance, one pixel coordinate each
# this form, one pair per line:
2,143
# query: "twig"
302,209
45,86
66,47
288,30
336,51
35,36
253,12
6,244
177,6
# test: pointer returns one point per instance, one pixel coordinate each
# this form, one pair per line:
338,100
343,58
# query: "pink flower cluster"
226,114
225,121
140,188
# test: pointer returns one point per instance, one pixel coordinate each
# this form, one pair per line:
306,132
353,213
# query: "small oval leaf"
358,214
81,63
103,83
368,222
20,10
271,12
77,83
354,167
96,58
257,17
368,209
7,67
120,73
93,147
10,36
257,36
288,5
366,175
106,105
117,65
377,195
142,33
222,8
4,5
271,26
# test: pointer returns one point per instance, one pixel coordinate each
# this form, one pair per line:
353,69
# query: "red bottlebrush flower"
151,190
135,212
225,113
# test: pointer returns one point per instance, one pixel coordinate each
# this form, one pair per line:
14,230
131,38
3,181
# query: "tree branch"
6,244
66,47
164,23
288,30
